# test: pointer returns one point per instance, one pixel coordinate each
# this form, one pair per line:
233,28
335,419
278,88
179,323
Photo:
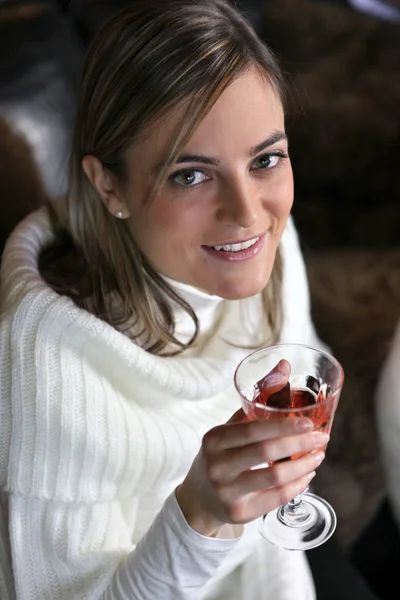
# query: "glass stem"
297,512
294,504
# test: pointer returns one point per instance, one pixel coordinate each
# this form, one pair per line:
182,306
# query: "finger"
229,464
259,503
277,476
265,501
276,379
233,435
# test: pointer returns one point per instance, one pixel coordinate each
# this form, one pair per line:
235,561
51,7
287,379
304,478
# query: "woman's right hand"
222,487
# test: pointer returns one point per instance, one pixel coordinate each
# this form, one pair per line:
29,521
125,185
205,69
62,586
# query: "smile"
237,247
236,251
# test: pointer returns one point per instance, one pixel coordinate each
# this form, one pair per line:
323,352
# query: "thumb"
276,379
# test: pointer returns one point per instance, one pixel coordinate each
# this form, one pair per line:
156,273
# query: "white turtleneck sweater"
96,433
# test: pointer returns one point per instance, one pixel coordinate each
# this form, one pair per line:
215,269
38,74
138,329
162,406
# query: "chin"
241,289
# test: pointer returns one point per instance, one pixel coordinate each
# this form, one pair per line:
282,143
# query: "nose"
239,203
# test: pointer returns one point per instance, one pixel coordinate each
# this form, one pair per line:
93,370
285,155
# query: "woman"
125,457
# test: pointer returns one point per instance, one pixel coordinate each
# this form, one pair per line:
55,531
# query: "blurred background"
342,59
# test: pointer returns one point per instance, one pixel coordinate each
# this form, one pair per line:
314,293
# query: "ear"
105,185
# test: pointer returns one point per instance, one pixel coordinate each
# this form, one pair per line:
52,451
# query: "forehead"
247,111
245,114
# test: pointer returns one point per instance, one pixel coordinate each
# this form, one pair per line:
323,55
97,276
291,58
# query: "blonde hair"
146,60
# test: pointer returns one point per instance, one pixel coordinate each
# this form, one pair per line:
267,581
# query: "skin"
240,196
221,486
244,196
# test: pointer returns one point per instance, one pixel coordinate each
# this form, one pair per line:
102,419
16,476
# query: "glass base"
310,533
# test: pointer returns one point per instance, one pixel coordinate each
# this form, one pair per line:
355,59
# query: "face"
218,219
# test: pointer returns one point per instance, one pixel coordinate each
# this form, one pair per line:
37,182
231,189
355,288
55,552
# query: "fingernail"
319,456
321,438
274,379
304,425
311,475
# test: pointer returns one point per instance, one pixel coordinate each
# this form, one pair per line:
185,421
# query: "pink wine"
316,407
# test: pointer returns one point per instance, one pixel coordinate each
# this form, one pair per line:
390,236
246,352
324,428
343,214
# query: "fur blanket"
343,120
21,185
356,306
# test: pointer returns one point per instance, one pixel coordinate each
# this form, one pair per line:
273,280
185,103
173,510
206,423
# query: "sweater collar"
207,307
197,299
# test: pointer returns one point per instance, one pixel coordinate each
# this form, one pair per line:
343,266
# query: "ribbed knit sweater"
96,433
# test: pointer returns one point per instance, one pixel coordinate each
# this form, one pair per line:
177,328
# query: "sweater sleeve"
53,559
172,561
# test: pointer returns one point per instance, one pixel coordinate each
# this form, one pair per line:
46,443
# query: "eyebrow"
276,136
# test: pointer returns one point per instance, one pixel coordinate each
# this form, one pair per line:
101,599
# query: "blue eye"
268,161
188,177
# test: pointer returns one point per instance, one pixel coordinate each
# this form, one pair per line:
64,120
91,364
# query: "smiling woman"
126,465
233,189
152,154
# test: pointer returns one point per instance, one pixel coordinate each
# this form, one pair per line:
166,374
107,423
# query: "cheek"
175,218
277,204
171,225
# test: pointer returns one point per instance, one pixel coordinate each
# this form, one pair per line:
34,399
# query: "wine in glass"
311,388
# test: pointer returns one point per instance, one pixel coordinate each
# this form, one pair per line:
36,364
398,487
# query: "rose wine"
292,380
315,406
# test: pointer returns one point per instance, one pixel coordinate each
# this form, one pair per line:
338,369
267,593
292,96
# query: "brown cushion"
21,186
355,299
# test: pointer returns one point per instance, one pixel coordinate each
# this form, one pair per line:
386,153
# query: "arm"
82,552
171,561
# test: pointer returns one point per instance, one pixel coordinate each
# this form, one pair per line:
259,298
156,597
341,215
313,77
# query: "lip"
253,237
239,256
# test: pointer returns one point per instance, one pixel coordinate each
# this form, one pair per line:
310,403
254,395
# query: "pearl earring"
119,214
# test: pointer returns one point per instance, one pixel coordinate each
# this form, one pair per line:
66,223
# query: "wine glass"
314,383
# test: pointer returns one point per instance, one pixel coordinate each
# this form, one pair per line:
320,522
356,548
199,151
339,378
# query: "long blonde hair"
146,60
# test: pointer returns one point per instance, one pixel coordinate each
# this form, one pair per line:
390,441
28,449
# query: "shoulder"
290,246
19,261
34,318
297,323
294,269
290,236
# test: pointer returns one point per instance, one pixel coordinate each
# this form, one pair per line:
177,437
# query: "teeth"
237,247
